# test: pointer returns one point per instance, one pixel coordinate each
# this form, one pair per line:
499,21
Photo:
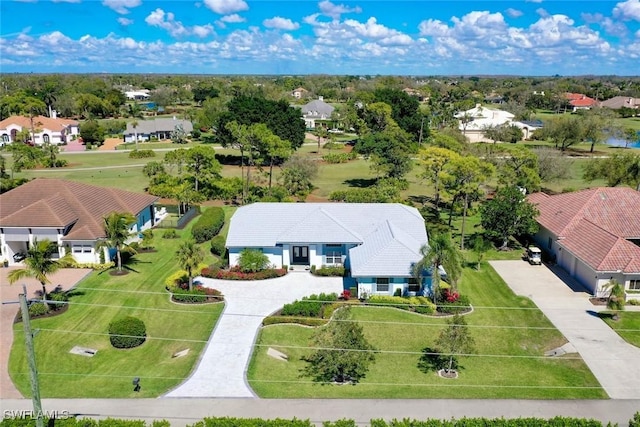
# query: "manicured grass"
627,326
170,328
508,361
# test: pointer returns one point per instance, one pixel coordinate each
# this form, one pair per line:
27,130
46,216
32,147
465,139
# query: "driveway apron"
221,371
613,361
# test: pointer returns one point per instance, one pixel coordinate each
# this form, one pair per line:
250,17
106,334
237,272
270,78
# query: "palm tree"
116,229
134,125
440,251
616,298
38,264
189,256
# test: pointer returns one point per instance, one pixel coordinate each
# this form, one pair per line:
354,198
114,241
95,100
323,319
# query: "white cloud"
66,1
542,12
125,21
167,21
121,6
513,13
335,10
281,23
225,7
628,10
614,28
234,18
533,1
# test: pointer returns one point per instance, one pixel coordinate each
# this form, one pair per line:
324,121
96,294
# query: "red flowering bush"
235,273
450,296
345,295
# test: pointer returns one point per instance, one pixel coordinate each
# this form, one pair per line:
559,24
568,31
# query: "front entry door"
300,255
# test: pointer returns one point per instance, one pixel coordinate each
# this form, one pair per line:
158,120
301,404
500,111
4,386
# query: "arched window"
14,134
5,138
45,138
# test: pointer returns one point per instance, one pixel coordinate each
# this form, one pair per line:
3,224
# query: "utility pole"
31,358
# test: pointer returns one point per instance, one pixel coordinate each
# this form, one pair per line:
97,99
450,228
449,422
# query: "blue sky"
419,37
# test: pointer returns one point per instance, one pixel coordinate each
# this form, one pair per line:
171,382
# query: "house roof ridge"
396,232
340,223
578,215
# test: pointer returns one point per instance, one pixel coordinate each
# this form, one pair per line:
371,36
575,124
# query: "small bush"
334,158
218,245
450,305
38,309
141,154
127,332
208,225
236,273
252,261
170,234
422,305
329,270
58,299
311,306
198,294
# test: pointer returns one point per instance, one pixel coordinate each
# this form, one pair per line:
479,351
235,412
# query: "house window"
46,139
634,284
5,138
413,285
76,249
382,284
87,249
549,243
333,254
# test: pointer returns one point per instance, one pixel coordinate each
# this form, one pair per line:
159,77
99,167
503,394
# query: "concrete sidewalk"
221,371
182,411
613,361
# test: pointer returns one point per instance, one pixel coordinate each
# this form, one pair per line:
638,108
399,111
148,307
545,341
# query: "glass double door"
300,255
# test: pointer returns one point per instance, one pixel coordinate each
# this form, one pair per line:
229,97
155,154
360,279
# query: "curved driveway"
221,371
613,361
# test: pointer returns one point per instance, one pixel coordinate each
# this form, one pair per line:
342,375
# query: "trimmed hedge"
328,270
218,245
460,305
208,225
306,321
127,332
235,274
311,306
141,154
422,305
199,294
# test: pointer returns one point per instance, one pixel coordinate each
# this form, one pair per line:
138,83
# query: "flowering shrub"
199,294
235,273
345,295
451,302
450,296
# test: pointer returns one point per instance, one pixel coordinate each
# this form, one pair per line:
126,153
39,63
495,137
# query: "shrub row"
218,245
127,332
334,158
460,305
306,321
278,422
198,294
235,274
92,265
328,270
170,234
208,225
141,154
373,194
422,305
311,306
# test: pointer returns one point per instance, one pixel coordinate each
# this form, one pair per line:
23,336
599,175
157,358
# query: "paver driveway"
221,371
613,361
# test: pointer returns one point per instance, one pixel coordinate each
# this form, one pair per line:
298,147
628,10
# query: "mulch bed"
118,273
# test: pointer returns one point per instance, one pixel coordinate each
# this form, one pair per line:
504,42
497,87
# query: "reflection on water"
617,142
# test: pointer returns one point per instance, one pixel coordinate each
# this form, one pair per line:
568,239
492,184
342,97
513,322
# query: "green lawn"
510,342
170,328
628,326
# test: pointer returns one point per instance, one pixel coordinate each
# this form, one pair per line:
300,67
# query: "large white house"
41,129
160,129
316,110
377,242
71,214
594,235
474,122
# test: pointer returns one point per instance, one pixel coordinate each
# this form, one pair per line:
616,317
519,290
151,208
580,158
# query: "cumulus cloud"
121,6
167,21
542,12
125,21
225,7
234,18
281,23
335,10
628,10
513,13
611,27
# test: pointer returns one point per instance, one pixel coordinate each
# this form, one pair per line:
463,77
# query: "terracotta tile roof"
41,122
59,203
595,224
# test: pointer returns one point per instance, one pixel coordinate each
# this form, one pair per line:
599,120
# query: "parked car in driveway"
534,255
19,256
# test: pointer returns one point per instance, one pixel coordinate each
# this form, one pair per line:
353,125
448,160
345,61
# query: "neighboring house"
316,110
377,242
299,93
474,122
594,235
68,213
155,129
618,102
50,130
580,102
137,95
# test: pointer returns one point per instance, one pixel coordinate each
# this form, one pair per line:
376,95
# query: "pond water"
616,142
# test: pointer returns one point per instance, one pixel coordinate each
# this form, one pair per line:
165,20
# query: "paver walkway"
67,278
221,371
612,360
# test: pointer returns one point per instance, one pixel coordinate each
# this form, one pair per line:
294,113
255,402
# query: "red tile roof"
595,225
580,100
58,203
40,122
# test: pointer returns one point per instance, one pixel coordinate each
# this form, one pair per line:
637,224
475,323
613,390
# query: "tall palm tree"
116,229
38,264
134,125
440,251
189,256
